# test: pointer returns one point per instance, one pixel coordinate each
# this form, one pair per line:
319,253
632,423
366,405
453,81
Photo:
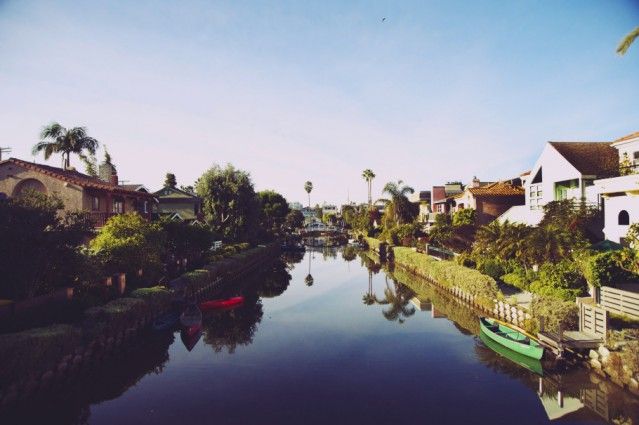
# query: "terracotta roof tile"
590,158
497,189
75,177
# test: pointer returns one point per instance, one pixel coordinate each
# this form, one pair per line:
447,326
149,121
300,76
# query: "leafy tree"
127,243
184,240
308,187
57,139
583,220
368,176
627,41
318,211
91,163
40,249
273,210
294,219
552,244
441,233
562,280
629,256
464,217
229,202
170,180
401,206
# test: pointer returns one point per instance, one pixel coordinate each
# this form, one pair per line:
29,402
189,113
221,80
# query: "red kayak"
217,304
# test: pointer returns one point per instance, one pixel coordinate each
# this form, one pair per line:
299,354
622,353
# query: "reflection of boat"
166,321
529,363
190,335
191,316
293,247
222,303
511,338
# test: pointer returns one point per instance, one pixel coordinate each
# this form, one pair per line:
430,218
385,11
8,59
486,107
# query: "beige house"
99,197
179,204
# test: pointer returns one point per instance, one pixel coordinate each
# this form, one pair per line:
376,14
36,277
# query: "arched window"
624,218
29,185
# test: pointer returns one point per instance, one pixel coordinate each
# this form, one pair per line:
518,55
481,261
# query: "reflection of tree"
275,280
292,257
397,299
228,329
328,252
309,280
349,253
369,297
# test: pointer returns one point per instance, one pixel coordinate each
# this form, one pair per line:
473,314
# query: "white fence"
619,301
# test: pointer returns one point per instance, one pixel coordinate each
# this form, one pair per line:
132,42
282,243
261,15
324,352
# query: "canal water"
330,337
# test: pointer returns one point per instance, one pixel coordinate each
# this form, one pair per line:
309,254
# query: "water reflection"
233,328
397,298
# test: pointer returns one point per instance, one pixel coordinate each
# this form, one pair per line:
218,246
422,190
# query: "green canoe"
526,362
511,338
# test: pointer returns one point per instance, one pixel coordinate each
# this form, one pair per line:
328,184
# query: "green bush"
554,313
464,217
35,351
519,279
158,296
604,269
562,280
491,267
197,278
449,274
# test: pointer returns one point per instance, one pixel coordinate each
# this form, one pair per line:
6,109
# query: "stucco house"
489,200
99,197
620,194
179,204
564,170
422,198
442,199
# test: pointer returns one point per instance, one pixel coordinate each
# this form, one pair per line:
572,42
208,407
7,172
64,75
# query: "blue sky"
296,91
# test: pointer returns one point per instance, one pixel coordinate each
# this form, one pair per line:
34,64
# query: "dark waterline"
296,353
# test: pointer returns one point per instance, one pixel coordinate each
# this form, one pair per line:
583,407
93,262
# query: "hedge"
114,316
158,296
450,275
35,351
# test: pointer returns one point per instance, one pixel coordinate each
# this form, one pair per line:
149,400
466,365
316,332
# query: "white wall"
612,207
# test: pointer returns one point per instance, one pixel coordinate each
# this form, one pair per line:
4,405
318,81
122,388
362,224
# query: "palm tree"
397,300
57,139
308,187
309,278
399,200
368,175
627,41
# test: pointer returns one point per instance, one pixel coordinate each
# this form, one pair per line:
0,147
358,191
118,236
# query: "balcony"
628,184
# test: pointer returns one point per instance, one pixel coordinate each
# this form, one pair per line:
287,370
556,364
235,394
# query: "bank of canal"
329,340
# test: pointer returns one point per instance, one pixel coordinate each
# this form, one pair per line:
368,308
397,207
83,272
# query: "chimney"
114,179
476,182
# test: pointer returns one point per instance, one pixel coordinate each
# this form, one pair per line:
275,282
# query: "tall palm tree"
627,41
57,139
308,187
399,200
369,175
397,300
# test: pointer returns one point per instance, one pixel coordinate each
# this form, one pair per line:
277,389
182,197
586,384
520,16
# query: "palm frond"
52,131
627,41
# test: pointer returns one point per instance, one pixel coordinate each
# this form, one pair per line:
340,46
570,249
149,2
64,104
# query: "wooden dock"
569,340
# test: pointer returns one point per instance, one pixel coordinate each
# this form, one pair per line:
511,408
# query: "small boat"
221,303
191,316
511,338
526,362
190,336
166,321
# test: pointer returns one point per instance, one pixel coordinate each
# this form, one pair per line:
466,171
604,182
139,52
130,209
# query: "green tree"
294,219
40,248
403,211
127,243
184,240
273,210
464,217
170,180
308,187
229,202
368,176
57,139
627,41
552,244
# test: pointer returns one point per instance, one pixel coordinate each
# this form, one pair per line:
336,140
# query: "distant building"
100,198
442,199
179,204
295,206
489,200
423,199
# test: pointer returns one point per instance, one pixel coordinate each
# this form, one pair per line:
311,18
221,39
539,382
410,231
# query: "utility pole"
4,150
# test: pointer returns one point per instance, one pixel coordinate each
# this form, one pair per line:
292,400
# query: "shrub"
519,279
158,296
554,313
113,316
491,267
464,217
449,274
35,351
562,280
605,269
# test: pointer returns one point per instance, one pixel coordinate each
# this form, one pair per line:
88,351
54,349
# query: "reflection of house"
100,197
621,194
490,200
179,204
564,170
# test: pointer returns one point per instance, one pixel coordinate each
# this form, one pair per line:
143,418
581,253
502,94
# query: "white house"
621,194
564,170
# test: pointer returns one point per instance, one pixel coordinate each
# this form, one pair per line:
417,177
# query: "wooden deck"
569,340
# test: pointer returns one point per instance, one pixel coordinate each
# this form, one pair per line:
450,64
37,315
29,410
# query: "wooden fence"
593,320
619,301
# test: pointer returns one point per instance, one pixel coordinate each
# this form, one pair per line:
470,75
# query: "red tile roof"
76,177
497,189
628,137
590,158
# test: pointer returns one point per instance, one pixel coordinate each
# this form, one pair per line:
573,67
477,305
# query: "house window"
624,218
535,194
118,206
95,203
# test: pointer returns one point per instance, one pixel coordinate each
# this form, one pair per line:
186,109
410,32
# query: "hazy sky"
296,91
